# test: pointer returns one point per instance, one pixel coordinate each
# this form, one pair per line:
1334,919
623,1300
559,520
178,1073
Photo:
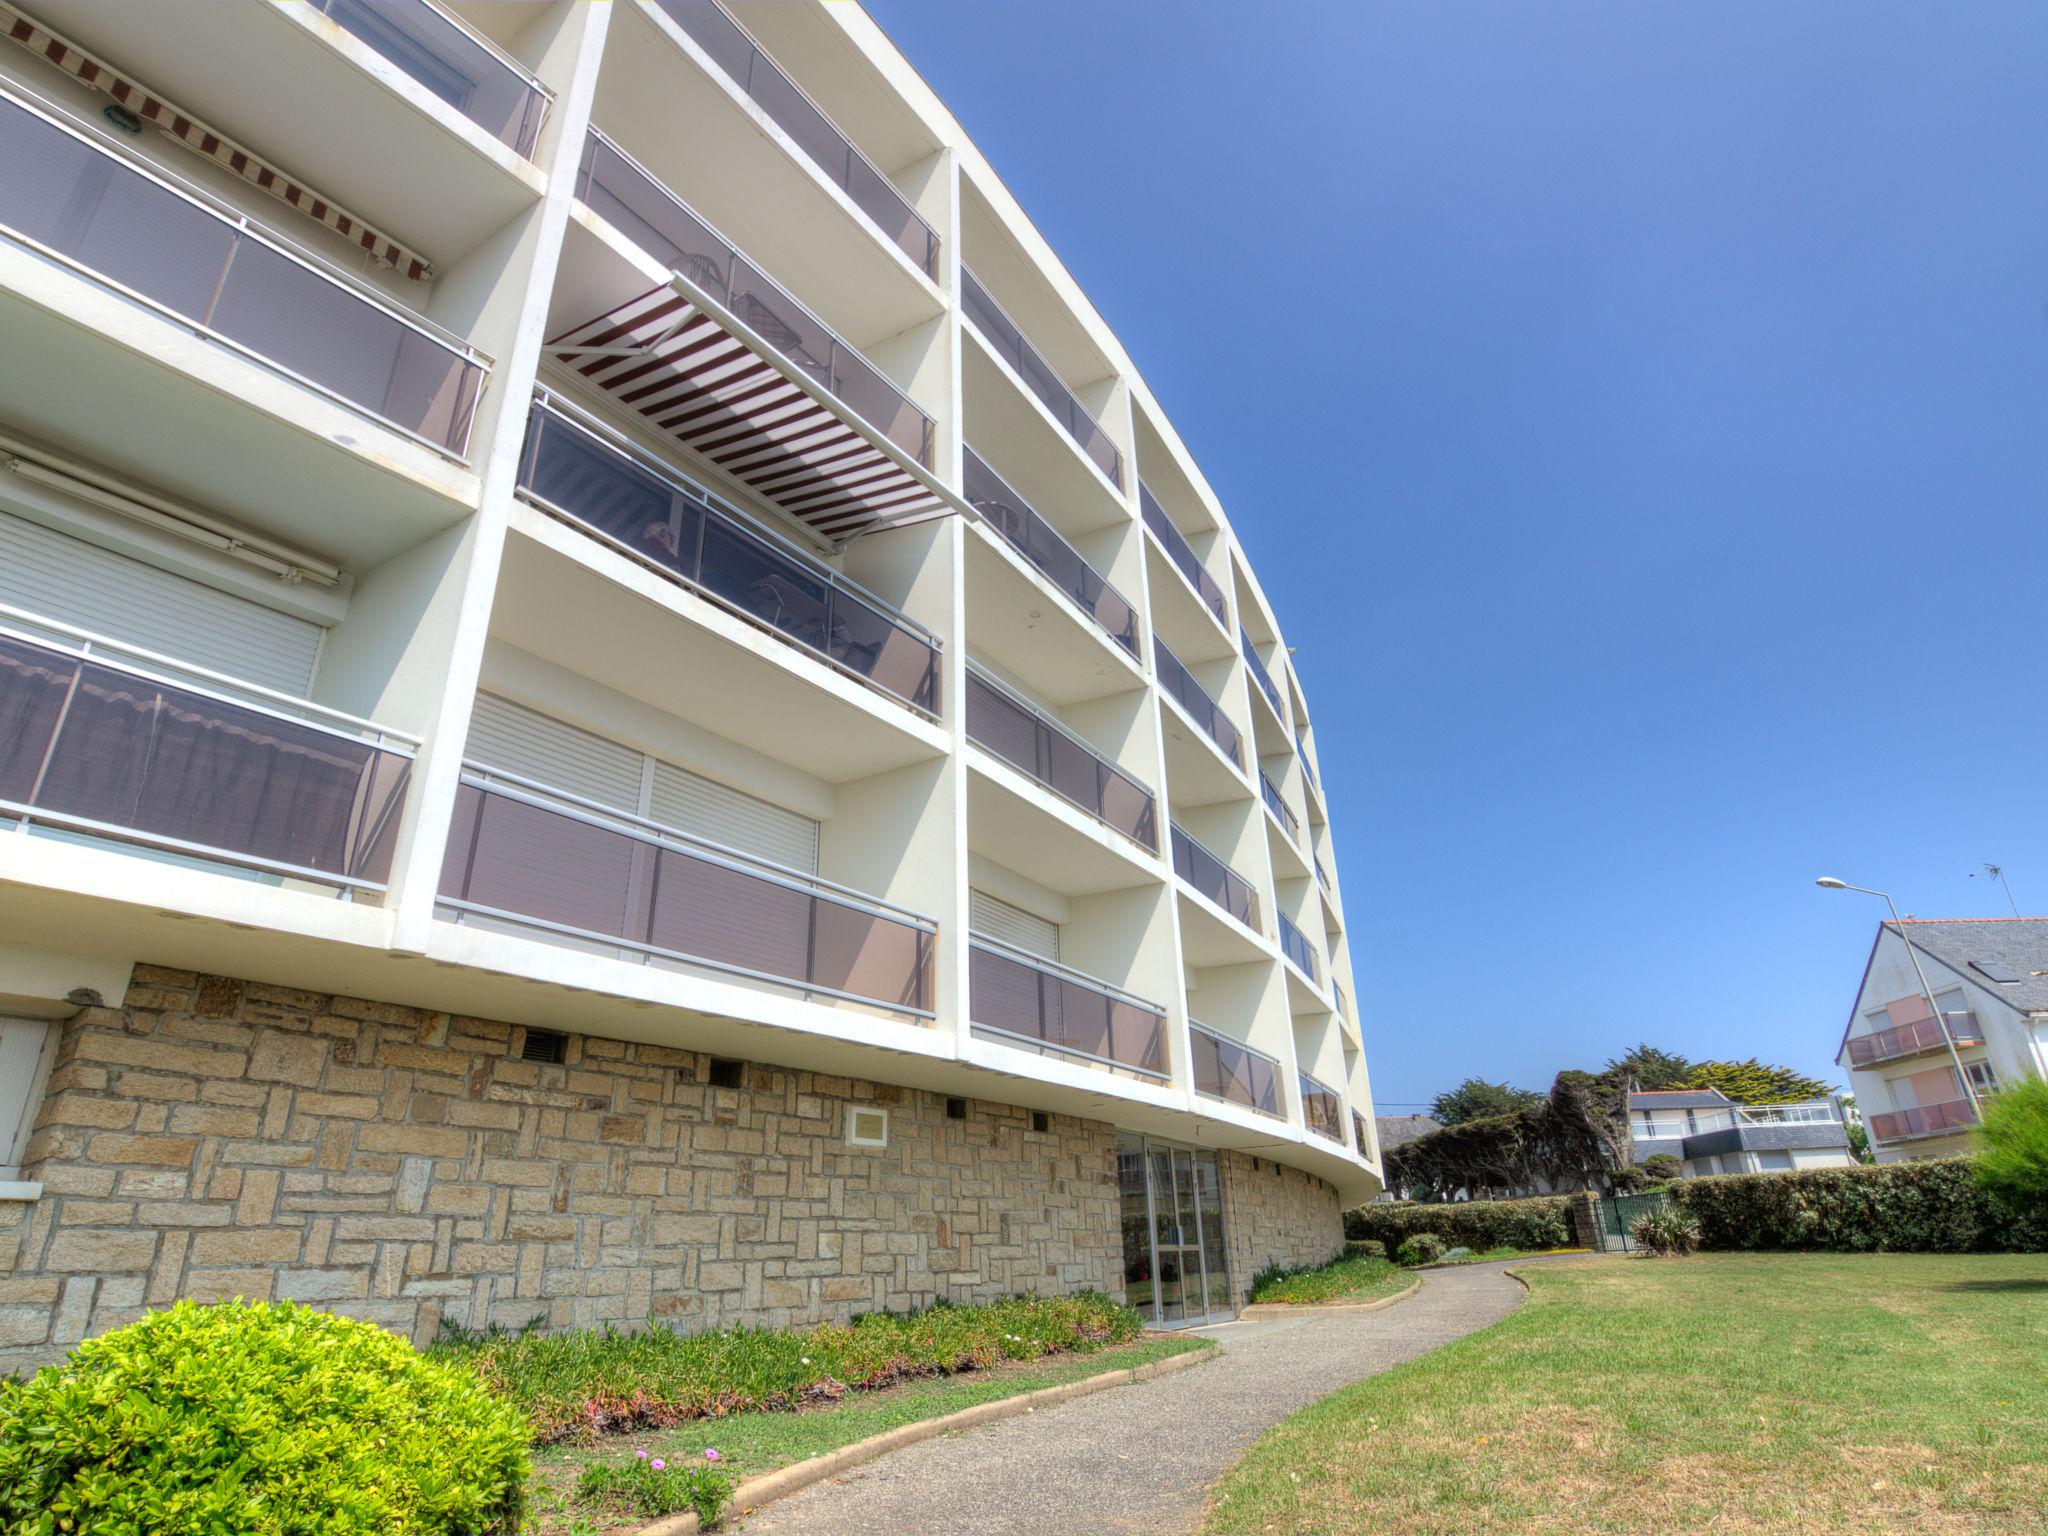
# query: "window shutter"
710,810
27,1047
1013,925
535,746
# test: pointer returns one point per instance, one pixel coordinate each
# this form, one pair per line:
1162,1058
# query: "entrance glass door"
1176,1267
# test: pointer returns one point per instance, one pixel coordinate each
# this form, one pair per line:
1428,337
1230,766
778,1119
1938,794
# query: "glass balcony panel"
1359,1141
1295,946
1182,554
1036,540
1214,879
1322,1109
1009,343
1017,994
758,76
1180,683
443,57
92,207
88,742
1914,1038
1270,792
1259,673
1925,1120
629,881
1229,1070
1001,723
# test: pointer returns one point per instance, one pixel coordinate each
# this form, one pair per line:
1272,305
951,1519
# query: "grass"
753,1443
1351,1279
1751,1394
1497,1255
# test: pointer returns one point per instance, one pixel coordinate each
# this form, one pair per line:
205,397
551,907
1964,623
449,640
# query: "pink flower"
641,1454
658,1464
711,1455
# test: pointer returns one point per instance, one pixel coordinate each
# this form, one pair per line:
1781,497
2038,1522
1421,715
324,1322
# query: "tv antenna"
1996,873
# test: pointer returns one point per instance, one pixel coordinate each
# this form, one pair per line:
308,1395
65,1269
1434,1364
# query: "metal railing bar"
1053,968
1223,1039
32,816
1069,1050
1023,703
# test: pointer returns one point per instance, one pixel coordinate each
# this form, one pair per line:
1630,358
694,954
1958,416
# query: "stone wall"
1276,1216
213,1138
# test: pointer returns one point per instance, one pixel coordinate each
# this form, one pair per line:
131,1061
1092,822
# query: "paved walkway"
1137,1459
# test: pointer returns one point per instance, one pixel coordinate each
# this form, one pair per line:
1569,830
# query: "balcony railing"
1035,539
1180,684
1915,1039
1038,745
455,62
1295,946
1232,1071
1015,993
1307,772
1270,792
629,197
1322,1109
173,249
1323,878
1259,673
1360,1142
1003,336
1182,554
523,853
602,483
107,740
1215,879
1343,1002
734,50
1927,1120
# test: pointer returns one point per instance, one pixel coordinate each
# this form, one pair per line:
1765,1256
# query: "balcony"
1915,1039
526,855
176,251
1183,556
1215,880
1270,793
1044,750
1307,772
726,388
1007,342
1179,684
749,66
1323,879
1360,1141
1259,673
1927,1120
1021,997
601,483
1295,946
1343,1002
103,740
1322,1109
452,60
1035,539
1233,1072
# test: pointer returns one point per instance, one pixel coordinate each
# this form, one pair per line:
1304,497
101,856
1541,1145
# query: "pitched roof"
1399,1130
2012,946
1679,1098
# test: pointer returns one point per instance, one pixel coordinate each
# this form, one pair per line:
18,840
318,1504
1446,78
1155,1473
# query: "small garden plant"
1666,1232
1421,1248
1353,1277
647,1484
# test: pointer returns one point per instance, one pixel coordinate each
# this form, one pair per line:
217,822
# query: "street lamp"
1829,883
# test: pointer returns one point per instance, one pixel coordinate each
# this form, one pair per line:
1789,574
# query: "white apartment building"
1989,977
1710,1133
617,700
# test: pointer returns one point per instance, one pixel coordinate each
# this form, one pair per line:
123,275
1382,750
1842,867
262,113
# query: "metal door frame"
1200,1246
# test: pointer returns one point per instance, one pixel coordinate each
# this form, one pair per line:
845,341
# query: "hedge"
1924,1207
1477,1224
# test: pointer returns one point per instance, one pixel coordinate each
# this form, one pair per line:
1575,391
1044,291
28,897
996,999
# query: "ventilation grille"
725,1074
544,1045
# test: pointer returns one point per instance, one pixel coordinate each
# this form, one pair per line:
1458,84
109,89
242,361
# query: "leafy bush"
1529,1224
1321,1282
1457,1255
1926,1207
578,1385
1663,1167
647,1485
1667,1232
264,1420
1365,1248
2012,1165
1422,1248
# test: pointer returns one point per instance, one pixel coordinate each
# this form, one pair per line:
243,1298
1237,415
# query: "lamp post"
1829,883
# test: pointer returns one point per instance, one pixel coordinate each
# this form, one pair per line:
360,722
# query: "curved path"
1138,1458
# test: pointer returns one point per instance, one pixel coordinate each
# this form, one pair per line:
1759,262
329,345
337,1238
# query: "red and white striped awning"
668,361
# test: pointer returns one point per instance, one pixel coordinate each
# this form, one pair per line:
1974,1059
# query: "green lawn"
1737,1393
753,1443
1349,1280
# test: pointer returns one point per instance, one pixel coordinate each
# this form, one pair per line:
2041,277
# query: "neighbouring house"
1709,1133
616,701
1989,977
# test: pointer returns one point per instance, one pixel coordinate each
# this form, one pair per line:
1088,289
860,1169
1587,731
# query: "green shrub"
1926,1207
1667,1232
1480,1224
1422,1248
1662,1167
578,1385
1365,1248
239,1420
647,1485
2012,1163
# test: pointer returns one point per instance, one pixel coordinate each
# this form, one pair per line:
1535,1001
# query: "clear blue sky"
1638,413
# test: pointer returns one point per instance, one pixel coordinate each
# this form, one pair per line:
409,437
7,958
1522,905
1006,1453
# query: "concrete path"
1137,1459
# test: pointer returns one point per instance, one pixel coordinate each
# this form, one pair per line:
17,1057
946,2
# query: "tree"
1574,1139
2012,1160
1663,1167
1859,1134
1755,1082
1477,1099
1653,1068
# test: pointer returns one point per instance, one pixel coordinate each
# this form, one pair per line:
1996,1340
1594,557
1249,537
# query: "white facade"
1899,1066
1710,1133
245,466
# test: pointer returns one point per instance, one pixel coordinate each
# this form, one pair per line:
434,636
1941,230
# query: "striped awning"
196,136
668,361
